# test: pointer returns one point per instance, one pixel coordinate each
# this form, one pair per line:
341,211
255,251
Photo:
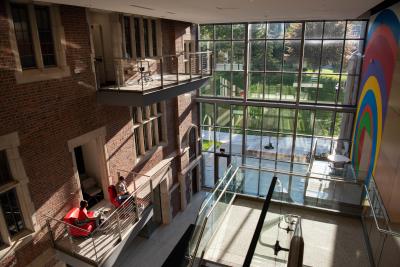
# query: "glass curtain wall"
302,85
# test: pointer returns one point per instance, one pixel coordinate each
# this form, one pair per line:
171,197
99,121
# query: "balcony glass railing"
155,73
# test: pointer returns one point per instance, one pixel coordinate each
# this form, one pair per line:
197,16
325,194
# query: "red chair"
112,193
88,228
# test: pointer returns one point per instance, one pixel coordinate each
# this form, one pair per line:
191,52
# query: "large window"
149,128
302,75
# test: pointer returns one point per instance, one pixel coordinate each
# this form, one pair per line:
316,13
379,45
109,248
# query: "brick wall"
47,114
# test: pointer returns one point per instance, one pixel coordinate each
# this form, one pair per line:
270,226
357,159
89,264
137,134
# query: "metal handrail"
388,232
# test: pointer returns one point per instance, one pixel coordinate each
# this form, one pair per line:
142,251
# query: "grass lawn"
207,144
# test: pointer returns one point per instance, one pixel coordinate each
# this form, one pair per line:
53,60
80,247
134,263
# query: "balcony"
144,82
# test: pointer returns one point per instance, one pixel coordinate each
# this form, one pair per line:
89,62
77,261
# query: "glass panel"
223,55
334,29
207,114
127,35
273,83
250,185
269,146
270,119
136,137
327,88
293,30
222,83
43,23
305,121
348,90
208,163
207,88
206,46
286,120
207,138
331,56
206,32
238,55
323,148
160,129
275,30
309,84
237,116
222,139
223,115
313,30
237,142
253,143
265,178
289,87
302,150
254,118
343,125
23,35
312,56
237,84
145,136
5,174
285,147
238,31
323,123
291,57
223,32
274,55
356,29
257,31
257,55
352,57
11,212
256,81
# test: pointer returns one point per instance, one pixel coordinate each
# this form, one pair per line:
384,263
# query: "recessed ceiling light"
142,7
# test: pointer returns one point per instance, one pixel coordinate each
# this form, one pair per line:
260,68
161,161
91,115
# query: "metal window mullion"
265,64
282,60
277,136
230,130
341,64
320,62
246,88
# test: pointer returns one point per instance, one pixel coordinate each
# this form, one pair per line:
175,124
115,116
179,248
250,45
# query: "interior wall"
377,125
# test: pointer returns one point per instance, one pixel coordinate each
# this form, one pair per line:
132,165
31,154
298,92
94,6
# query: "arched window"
192,143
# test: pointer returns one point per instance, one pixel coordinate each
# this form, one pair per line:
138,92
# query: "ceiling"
215,11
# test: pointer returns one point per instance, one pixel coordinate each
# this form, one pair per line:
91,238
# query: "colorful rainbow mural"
377,73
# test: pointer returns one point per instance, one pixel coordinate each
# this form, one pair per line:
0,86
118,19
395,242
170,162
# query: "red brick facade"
49,113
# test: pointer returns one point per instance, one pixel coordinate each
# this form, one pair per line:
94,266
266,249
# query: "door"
99,58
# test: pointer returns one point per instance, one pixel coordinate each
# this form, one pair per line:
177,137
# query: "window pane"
207,32
256,81
208,163
137,38
45,35
305,122
257,31
222,136
289,87
302,150
275,30
327,88
237,142
222,83
286,123
223,115
269,145
207,88
270,119
313,30
323,123
237,116
207,114
223,32
273,83
238,55
127,34
136,139
274,55
356,29
146,38
145,136
257,55
254,118
348,90
12,212
331,56
238,84
5,174
334,29
160,129
250,185
291,57
253,143
309,84
223,55
312,56
239,31
207,138
206,46
23,35
285,147
293,30
352,57
343,125
154,36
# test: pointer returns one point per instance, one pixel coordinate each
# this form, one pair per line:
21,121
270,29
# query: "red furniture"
73,215
112,193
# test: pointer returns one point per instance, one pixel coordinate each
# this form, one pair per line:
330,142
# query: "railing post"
162,74
190,66
136,207
119,227
53,243
70,239
116,68
177,69
95,250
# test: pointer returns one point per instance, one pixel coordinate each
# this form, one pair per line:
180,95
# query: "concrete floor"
154,251
330,240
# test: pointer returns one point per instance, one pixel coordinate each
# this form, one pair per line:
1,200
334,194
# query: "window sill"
20,240
142,158
36,75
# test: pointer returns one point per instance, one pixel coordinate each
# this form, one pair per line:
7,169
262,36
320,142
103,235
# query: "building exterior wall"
47,114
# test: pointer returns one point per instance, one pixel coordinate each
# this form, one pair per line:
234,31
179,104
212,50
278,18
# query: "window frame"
39,72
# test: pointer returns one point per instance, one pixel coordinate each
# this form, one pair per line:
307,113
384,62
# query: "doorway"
86,160
194,180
